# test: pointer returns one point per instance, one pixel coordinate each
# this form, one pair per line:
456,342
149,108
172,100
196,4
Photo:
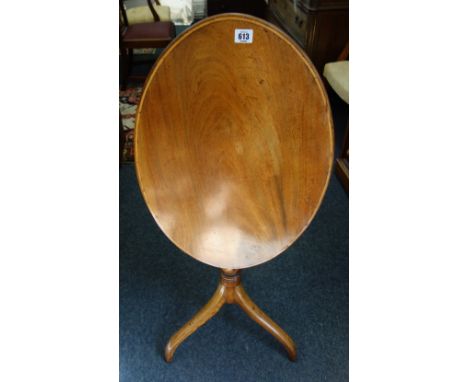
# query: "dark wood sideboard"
251,7
319,26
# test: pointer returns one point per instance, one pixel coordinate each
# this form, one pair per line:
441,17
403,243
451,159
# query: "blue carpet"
305,290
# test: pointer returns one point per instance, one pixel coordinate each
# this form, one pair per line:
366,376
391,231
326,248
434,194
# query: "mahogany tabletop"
234,141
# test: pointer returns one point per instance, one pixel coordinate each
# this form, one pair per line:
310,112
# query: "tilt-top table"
233,150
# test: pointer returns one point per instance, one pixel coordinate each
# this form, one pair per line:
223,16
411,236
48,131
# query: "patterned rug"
128,103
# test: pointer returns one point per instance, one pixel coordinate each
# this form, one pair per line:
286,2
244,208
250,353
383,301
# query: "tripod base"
230,291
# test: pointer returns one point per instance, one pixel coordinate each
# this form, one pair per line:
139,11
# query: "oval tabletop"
234,141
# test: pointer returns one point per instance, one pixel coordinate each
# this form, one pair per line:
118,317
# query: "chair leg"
130,63
345,146
125,68
342,162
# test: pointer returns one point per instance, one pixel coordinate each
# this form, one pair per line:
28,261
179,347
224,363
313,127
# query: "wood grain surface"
234,142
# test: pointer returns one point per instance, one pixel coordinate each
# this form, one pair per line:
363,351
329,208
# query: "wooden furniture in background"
234,161
319,26
157,34
250,7
337,75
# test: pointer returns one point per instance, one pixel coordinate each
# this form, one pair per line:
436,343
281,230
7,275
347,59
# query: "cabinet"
250,7
319,26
